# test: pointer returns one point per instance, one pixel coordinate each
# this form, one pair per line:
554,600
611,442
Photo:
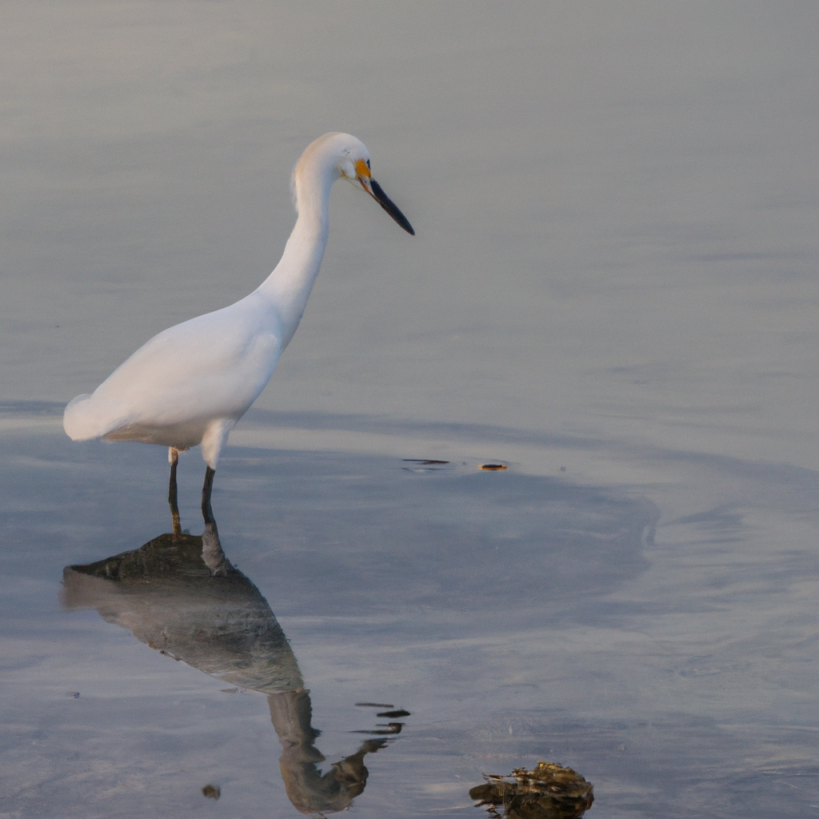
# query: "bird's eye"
368,164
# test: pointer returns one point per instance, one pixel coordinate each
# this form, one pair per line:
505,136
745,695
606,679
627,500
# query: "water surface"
612,291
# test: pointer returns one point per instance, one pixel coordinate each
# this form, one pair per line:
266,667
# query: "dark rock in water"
212,791
549,791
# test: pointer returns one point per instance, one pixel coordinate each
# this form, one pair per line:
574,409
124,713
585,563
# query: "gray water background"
612,289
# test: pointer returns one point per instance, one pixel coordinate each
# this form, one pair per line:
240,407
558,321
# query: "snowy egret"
191,383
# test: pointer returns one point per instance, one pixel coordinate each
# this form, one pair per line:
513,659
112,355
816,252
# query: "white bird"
191,383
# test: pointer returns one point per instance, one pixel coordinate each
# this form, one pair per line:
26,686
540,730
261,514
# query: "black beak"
389,206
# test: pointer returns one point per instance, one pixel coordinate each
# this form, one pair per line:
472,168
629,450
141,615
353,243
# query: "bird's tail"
82,421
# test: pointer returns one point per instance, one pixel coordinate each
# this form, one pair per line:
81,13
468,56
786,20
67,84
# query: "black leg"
207,512
174,459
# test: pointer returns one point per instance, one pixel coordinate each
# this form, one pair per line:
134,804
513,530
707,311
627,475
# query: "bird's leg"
207,512
173,457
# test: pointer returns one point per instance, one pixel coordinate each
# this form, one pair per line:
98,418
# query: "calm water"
612,291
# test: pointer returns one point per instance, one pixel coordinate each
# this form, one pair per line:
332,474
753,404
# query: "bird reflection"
180,594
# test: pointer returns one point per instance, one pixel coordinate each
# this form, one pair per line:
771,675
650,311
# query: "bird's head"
351,161
355,167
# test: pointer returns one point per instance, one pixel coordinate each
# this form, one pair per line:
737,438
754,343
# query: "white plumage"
191,383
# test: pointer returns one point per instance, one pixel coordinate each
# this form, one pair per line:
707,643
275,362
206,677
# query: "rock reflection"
180,594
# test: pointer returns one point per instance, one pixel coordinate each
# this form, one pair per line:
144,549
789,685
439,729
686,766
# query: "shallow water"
612,291
515,616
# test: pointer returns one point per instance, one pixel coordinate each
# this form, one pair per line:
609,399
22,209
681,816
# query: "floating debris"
384,730
424,461
549,791
493,467
76,695
374,705
211,791
393,714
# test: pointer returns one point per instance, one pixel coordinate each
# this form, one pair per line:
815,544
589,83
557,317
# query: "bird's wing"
213,366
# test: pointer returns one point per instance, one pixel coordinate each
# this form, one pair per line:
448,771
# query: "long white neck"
289,285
